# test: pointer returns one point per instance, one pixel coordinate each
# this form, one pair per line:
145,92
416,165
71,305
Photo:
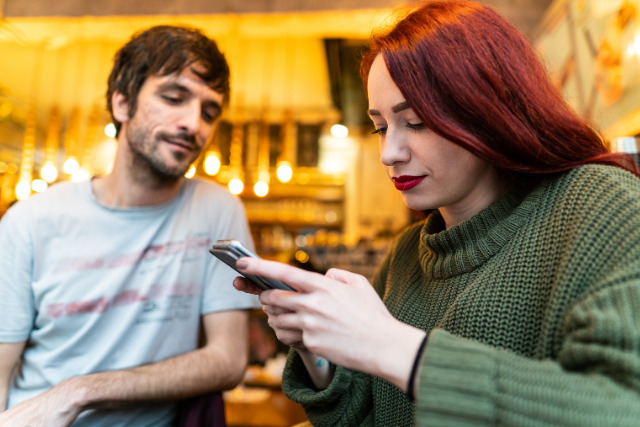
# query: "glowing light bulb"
110,130
261,188
39,185
236,186
23,190
212,163
49,172
71,166
284,172
80,175
339,131
302,256
191,172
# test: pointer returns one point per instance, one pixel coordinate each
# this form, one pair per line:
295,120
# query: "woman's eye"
380,131
415,126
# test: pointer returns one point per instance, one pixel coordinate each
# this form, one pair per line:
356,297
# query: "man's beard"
150,167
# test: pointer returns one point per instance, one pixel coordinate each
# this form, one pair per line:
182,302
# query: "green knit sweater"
534,311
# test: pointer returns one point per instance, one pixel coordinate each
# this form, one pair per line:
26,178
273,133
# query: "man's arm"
9,360
218,365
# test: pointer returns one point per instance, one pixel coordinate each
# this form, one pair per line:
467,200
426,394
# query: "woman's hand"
290,337
338,316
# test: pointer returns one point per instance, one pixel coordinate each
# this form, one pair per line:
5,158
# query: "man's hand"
218,365
57,407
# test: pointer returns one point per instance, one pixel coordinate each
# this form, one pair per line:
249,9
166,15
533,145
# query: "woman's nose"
393,149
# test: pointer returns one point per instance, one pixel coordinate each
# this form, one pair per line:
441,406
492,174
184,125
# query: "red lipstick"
407,182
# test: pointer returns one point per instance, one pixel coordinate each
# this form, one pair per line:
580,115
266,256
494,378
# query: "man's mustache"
183,137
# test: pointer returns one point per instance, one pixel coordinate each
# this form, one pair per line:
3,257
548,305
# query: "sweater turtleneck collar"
468,245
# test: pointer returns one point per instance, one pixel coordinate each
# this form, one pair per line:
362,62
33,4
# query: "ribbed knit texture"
534,312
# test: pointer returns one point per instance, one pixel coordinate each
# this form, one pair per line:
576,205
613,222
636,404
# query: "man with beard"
107,285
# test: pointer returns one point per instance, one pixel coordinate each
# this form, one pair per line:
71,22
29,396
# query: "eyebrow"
404,105
172,85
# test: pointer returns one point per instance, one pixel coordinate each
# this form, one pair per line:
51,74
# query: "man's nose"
191,120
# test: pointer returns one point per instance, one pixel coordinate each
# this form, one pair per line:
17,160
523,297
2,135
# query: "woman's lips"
407,182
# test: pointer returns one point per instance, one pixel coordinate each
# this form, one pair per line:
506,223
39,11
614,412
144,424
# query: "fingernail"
241,264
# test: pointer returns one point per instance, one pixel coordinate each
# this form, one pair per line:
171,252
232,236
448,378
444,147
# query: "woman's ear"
120,107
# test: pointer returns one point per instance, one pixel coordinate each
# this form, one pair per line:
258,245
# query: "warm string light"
339,131
236,184
93,130
7,185
289,135
261,187
71,164
284,172
191,172
49,171
39,185
284,168
110,130
212,163
23,188
212,158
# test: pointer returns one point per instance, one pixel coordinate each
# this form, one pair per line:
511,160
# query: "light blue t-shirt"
92,288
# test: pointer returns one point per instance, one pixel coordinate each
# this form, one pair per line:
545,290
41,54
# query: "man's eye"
380,131
416,126
210,113
208,117
172,99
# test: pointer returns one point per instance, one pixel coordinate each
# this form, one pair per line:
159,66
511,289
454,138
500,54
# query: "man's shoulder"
58,194
212,197
59,199
200,188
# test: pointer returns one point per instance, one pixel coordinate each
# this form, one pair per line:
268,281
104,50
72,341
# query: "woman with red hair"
517,300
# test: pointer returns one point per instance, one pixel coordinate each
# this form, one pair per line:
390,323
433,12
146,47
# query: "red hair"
474,79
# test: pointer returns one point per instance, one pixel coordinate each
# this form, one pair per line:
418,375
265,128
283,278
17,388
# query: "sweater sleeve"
345,402
595,381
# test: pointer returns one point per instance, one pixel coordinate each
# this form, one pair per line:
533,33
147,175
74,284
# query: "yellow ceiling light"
236,186
261,188
284,171
191,172
339,131
212,163
302,256
39,185
71,166
49,172
80,175
110,130
23,190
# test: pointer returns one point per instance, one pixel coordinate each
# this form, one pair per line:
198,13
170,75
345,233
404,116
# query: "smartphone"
230,250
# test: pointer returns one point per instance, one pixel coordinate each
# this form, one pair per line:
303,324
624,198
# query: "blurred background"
295,142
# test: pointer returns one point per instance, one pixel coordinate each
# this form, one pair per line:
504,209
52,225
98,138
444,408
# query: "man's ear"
120,107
